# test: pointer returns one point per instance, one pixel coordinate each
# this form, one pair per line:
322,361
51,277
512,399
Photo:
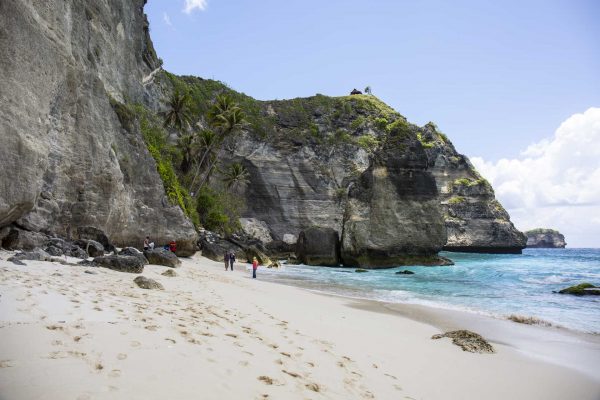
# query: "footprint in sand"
121,356
135,343
115,373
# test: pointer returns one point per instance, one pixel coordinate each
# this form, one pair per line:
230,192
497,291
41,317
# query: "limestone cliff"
83,145
66,159
545,238
475,220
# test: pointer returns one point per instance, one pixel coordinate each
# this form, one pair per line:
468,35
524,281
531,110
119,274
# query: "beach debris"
162,257
521,319
313,386
130,264
468,341
170,273
87,271
147,283
405,272
266,379
583,289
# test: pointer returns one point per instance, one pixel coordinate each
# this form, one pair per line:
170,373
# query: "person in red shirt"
254,267
173,246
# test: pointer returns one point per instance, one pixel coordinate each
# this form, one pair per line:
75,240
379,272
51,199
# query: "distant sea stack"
545,239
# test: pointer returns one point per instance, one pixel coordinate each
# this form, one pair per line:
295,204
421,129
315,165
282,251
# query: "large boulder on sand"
35,255
162,257
19,239
91,247
261,257
147,283
132,251
97,235
120,263
318,246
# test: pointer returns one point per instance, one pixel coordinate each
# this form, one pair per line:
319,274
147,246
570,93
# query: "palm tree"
225,117
178,115
235,176
187,146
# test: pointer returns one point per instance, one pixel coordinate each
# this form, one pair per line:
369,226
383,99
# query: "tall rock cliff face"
66,159
83,145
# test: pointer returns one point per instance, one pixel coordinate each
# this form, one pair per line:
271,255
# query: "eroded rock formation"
545,238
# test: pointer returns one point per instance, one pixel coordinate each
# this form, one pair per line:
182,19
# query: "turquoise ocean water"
492,284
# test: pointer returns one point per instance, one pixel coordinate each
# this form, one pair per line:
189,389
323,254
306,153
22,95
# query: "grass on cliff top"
538,231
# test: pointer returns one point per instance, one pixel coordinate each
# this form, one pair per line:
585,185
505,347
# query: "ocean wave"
547,280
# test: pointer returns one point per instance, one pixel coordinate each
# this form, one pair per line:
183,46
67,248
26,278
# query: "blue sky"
514,84
494,76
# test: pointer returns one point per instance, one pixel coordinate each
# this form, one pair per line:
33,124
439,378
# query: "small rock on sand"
147,283
468,341
170,273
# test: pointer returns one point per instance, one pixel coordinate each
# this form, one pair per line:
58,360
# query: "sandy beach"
66,333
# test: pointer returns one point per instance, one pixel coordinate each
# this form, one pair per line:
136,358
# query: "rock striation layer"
545,238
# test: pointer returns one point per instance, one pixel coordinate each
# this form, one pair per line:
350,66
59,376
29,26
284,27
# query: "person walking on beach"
147,243
226,260
254,267
231,259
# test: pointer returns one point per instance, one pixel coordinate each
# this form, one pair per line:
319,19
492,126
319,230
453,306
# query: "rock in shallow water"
147,283
583,289
468,341
405,272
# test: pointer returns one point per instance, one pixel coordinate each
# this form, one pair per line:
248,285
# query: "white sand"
211,334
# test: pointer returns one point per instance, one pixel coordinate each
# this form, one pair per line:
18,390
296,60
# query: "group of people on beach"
149,245
229,259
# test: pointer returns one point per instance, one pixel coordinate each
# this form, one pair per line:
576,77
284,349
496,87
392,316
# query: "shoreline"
558,345
66,333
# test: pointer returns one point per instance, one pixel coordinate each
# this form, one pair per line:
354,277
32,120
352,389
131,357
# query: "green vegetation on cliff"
164,154
541,231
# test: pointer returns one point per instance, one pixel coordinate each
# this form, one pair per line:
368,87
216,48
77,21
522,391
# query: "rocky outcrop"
475,220
120,263
468,341
545,238
318,246
393,212
162,257
132,251
71,162
583,289
147,283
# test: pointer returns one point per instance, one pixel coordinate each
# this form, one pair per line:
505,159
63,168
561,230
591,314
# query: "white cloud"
191,5
556,182
167,19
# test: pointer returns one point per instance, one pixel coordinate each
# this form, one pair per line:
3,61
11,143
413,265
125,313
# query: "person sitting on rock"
147,243
173,246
